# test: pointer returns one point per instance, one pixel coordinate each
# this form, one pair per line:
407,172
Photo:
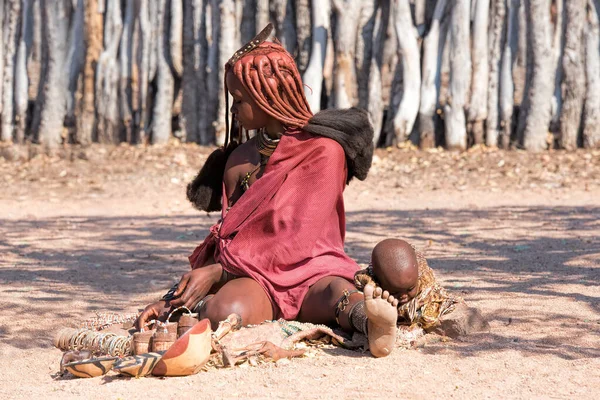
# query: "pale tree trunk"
225,41
478,106
430,86
420,17
175,39
194,79
107,76
176,36
313,76
391,77
591,115
495,59
3,28
161,117
460,74
520,64
213,84
345,90
54,37
262,14
155,39
202,49
74,63
506,74
37,70
446,50
289,25
574,74
328,68
248,27
303,30
534,117
190,81
405,104
136,50
239,15
21,80
557,60
11,40
126,66
145,48
390,58
364,50
93,32
282,14
375,105
34,58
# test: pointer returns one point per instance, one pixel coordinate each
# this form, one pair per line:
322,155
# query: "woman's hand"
159,310
196,284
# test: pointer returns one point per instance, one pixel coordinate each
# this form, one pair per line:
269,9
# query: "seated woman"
278,250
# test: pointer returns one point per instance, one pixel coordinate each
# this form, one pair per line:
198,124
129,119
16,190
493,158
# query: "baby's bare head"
396,268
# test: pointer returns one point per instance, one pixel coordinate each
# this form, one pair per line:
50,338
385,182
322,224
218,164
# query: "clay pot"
91,368
162,341
141,342
188,354
186,322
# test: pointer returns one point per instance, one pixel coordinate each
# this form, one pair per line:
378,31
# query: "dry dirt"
517,235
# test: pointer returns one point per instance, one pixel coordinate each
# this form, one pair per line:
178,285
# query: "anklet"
342,303
357,317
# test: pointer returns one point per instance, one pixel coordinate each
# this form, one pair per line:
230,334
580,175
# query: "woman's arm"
244,159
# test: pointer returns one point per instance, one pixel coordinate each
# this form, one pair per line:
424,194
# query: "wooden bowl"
188,354
139,365
91,368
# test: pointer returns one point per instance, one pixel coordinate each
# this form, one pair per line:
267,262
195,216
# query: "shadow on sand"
510,250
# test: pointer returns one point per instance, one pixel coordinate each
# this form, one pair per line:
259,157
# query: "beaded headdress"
251,45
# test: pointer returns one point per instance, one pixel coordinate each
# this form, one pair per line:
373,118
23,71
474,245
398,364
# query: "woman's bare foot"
382,313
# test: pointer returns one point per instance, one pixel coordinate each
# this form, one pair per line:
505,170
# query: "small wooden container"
171,327
142,342
162,341
186,322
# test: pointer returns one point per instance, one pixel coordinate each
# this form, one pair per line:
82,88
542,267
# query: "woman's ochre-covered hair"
269,74
271,77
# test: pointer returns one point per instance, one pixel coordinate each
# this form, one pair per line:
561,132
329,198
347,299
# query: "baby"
403,273
396,269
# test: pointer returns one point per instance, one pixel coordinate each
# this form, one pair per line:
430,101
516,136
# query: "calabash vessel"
138,365
91,368
188,354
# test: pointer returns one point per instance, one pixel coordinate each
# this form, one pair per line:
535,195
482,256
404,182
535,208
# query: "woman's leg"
242,296
320,303
373,313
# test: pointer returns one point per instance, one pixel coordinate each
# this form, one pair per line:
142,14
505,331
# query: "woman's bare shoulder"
243,154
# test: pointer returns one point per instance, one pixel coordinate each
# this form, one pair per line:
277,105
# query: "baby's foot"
382,313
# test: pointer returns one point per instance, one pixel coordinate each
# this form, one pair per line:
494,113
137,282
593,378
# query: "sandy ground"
517,235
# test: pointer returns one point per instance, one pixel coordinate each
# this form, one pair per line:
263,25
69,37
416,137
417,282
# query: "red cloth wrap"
287,230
